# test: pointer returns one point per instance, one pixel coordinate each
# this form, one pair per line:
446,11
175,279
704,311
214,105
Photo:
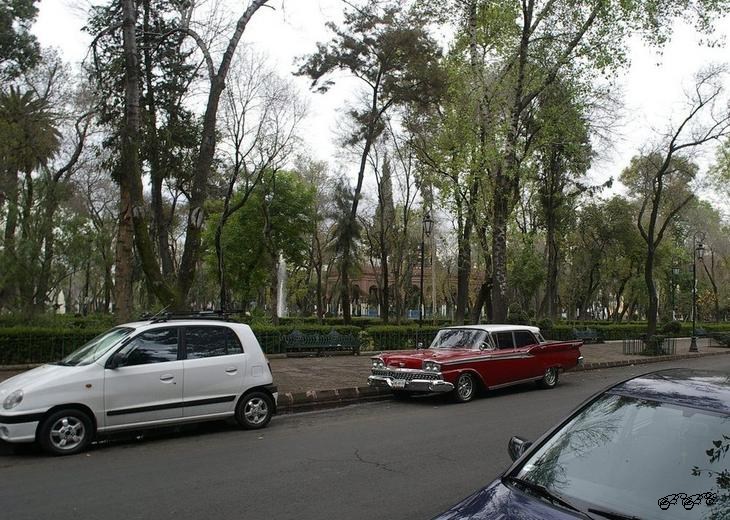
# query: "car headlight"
378,363
13,400
430,366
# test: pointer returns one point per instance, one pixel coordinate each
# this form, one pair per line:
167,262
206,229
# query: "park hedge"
21,345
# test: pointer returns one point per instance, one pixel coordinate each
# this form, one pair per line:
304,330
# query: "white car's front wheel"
65,432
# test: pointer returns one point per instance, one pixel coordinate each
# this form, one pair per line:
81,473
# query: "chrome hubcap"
256,410
67,433
551,375
465,387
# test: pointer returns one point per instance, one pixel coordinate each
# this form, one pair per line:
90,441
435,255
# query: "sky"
652,87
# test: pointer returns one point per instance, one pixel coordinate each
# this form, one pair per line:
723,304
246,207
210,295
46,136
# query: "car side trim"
511,383
168,406
489,357
21,418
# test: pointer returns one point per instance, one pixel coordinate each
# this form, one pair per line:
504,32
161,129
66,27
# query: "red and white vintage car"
465,359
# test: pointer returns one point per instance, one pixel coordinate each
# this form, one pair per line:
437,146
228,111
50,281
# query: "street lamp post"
698,251
425,231
675,273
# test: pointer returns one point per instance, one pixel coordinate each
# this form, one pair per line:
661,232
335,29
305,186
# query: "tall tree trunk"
652,310
44,275
157,175
123,262
8,278
549,305
499,250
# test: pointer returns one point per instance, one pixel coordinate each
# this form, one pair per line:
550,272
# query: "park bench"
587,335
298,343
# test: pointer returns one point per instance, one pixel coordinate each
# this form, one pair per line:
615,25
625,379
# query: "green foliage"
399,337
19,49
672,327
526,271
276,219
29,135
545,325
24,345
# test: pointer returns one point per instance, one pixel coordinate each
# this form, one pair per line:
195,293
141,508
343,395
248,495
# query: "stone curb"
294,402
644,361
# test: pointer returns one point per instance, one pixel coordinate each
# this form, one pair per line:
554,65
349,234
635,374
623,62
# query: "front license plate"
399,383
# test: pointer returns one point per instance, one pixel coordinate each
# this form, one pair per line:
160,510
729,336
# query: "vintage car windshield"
97,347
625,455
459,338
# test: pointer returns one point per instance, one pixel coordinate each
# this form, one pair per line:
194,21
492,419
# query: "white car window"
152,346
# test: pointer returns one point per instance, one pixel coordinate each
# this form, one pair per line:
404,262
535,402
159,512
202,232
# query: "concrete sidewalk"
306,383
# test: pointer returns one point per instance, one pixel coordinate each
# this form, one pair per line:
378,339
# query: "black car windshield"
97,347
459,338
639,458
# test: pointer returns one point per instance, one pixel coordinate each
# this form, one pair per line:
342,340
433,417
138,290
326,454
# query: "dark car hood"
500,502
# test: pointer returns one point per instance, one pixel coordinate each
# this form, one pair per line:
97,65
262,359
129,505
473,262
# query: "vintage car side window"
152,346
524,338
504,340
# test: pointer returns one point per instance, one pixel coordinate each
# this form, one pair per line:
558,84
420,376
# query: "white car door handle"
166,378
231,370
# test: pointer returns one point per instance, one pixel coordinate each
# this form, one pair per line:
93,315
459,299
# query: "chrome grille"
407,376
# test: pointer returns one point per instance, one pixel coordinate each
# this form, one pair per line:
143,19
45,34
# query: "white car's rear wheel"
254,410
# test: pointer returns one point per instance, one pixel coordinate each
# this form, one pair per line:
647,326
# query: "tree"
133,203
661,179
19,49
261,113
397,60
275,222
516,51
29,140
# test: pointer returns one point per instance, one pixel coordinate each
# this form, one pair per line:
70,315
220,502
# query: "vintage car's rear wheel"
550,379
465,388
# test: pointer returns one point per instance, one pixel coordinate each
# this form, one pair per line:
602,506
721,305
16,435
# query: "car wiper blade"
613,515
544,492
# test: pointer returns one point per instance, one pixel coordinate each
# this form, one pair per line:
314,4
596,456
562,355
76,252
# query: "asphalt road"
381,460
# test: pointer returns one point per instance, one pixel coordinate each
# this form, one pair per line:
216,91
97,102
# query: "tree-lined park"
171,168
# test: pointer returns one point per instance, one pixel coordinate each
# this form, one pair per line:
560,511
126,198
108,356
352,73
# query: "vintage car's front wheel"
465,388
550,379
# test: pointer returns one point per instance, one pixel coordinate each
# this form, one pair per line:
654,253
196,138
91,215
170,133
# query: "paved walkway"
311,380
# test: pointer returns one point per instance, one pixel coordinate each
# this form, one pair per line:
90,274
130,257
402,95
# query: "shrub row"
24,345
21,345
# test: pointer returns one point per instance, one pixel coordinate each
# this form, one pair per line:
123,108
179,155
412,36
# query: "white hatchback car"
137,376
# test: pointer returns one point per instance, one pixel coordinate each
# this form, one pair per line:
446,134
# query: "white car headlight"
430,366
13,400
378,363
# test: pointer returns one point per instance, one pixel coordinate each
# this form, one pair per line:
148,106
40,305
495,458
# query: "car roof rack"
161,316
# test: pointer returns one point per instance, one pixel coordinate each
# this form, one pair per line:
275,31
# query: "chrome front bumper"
410,385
